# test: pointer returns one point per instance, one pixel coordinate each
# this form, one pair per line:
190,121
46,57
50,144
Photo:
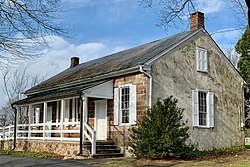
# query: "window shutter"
198,57
116,106
195,107
201,60
211,109
132,104
204,60
37,112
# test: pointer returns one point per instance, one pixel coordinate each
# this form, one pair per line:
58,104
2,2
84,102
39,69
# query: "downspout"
15,125
81,122
150,84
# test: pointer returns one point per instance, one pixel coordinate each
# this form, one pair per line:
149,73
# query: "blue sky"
100,27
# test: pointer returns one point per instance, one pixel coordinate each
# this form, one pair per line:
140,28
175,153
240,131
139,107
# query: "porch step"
110,155
104,149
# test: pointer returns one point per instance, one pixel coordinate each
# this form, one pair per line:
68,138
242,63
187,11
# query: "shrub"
161,133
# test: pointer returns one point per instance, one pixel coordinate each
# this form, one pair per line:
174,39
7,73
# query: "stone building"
98,101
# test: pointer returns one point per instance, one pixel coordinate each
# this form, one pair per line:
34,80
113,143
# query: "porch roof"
59,94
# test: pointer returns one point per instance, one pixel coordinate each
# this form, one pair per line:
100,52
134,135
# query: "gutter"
143,69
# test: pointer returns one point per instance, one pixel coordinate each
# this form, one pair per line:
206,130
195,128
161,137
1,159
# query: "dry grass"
240,159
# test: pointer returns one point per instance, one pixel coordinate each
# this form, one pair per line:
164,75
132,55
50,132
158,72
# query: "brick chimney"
196,21
74,61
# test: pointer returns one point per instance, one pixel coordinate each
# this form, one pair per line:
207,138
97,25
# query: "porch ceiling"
60,93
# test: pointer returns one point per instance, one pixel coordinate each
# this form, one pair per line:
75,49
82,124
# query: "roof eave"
86,80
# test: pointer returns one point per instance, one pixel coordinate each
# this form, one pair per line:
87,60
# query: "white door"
49,121
101,119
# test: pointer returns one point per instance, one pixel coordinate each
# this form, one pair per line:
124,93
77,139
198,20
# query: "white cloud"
58,57
210,6
88,3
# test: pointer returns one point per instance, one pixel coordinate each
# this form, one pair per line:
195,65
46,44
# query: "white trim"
120,109
118,105
73,111
204,67
44,118
57,114
62,117
209,122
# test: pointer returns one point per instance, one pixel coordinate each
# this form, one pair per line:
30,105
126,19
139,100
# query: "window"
36,115
202,101
125,105
202,61
203,108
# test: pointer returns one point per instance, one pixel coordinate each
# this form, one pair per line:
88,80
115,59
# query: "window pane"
125,105
202,108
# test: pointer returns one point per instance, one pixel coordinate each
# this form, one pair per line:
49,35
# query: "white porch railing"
91,138
37,131
41,132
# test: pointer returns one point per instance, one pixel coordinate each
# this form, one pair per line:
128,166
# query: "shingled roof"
118,61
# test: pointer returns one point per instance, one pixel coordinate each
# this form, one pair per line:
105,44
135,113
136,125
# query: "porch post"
81,121
62,115
57,113
85,114
73,111
30,118
44,118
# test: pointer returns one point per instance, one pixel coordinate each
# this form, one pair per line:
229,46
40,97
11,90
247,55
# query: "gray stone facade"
175,74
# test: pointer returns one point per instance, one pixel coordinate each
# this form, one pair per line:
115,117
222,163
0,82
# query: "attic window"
201,60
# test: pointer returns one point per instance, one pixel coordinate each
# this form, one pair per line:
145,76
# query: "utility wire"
229,30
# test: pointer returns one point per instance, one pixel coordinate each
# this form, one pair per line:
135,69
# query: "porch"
59,120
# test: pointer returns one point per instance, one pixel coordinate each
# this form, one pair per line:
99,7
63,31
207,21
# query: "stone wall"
120,134
58,147
175,74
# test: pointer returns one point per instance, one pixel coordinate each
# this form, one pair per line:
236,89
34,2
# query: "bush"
161,133
247,123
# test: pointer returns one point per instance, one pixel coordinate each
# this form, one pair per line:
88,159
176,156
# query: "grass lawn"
240,159
30,154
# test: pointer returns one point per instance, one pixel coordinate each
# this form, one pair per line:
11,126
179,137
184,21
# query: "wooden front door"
101,119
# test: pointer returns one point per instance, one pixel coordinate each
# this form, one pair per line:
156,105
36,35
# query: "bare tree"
6,117
15,82
232,55
171,12
24,26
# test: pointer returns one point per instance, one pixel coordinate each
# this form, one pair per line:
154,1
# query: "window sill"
203,127
128,124
202,71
